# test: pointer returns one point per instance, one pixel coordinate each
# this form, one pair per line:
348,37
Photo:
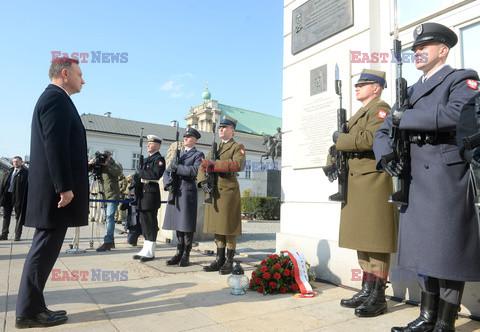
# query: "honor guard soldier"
368,223
149,197
181,216
223,217
438,235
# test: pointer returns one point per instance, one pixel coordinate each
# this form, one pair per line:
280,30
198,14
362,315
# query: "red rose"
253,274
264,269
283,290
286,272
263,262
257,280
277,266
273,256
277,275
273,285
260,289
267,276
295,287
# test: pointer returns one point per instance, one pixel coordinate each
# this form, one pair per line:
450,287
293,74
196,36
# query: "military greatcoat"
223,217
438,234
182,216
368,222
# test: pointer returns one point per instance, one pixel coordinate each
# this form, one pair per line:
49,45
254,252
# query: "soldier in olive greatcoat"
223,217
368,222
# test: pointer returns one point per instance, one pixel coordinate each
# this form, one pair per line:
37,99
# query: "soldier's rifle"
399,138
172,185
210,175
340,162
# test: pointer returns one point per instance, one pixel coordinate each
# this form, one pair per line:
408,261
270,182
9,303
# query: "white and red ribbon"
300,273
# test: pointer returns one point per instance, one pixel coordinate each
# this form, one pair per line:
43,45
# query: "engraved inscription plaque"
317,20
318,80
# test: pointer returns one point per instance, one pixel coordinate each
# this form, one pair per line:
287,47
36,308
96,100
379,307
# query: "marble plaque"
317,20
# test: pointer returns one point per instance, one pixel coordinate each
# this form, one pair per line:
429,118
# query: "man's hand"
174,166
332,175
471,156
335,135
205,186
397,115
391,165
65,198
90,162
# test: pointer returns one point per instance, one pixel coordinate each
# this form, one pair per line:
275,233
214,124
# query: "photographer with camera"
107,172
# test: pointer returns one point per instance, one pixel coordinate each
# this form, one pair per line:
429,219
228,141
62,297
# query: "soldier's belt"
226,175
430,137
365,154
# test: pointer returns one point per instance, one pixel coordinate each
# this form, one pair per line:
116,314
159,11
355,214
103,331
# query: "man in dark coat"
57,188
438,235
223,217
149,197
368,223
181,216
12,195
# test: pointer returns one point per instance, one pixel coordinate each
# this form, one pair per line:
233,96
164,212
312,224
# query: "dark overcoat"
58,163
368,222
438,234
19,186
224,217
183,215
152,169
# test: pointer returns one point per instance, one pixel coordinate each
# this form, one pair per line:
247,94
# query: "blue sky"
173,48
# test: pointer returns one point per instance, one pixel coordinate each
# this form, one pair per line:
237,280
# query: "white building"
355,35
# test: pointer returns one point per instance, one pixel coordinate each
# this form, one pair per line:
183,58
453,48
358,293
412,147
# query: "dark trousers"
7,214
449,290
148,220
185,238
41,258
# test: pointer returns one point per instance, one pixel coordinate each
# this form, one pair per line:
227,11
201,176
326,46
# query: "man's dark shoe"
227,267
56,312
362,295
376,303
217,263
185,261
146,259
42,319
17,238
428,315
3,237
178,255
137,256
106,246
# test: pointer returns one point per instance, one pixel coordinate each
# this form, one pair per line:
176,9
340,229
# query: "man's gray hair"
60,64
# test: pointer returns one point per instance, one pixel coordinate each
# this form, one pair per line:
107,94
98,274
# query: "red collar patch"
382,114
472,84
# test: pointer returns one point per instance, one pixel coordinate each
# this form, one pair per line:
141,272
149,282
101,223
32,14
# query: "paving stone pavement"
116,293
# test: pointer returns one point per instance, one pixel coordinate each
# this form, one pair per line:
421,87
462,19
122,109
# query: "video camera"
100,159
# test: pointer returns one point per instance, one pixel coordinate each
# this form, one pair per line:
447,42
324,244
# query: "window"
421,9
135,160
471,47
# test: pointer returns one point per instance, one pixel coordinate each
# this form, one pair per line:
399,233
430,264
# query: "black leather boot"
428,315
447,313
218,262
178,255
376,304
362,295
185,260
227,267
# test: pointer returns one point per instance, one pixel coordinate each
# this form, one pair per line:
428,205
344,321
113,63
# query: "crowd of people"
436,234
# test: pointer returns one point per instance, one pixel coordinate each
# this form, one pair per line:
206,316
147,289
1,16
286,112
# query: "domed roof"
206,95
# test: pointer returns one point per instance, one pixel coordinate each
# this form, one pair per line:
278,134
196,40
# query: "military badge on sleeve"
160,163
242,151
382,114
472,84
